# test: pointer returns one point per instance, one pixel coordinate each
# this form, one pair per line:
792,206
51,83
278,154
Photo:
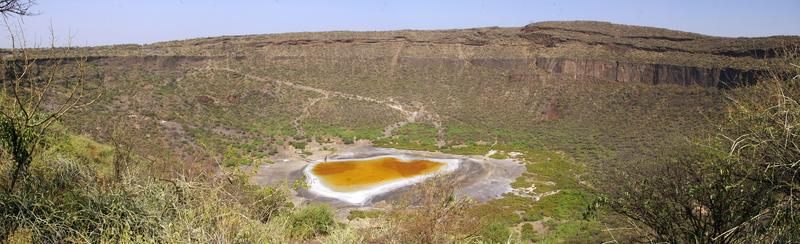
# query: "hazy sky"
100,22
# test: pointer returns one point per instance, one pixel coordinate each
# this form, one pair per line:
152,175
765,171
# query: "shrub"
496,232
527,233
311,221
233,158
430,212
363,214
343,236
63,203
347,140
269,202
676,191
300,145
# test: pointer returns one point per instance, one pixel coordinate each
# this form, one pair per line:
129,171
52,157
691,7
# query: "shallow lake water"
359,174
357,180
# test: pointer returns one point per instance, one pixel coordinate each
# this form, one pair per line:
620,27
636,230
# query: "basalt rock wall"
608,70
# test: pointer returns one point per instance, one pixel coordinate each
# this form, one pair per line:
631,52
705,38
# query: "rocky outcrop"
655,39
609,70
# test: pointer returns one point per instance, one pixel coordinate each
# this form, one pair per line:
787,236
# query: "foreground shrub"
430,213
343,235
527,233
268,202
690,197
496,232
311,221
64,204
66,201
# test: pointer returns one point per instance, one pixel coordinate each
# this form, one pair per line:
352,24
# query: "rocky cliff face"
625,53
606,70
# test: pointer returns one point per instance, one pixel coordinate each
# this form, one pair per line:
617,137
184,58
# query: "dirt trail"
305,114
413,112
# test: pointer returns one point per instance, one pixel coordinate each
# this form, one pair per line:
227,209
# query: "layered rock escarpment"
604,51
620,71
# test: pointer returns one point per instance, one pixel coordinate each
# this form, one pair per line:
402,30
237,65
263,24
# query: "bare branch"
16,7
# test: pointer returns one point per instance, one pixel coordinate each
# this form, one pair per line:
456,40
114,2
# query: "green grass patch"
301,145
413,136
564,211
234,157
496,232
574,231
364,214
99,156
311,221
499,155
527,233
468,149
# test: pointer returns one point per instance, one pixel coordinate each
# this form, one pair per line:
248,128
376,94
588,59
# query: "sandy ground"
479,177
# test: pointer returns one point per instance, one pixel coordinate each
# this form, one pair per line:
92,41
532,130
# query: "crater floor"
477,176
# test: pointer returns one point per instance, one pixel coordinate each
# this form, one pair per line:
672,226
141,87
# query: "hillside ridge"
578,50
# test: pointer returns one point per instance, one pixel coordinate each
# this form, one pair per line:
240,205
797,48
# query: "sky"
105,22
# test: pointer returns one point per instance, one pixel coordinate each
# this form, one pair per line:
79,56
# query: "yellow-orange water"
354,175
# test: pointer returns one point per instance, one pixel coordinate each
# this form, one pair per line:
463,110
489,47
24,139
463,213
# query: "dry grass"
430,213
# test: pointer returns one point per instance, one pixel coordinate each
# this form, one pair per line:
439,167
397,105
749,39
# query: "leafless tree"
16,7
35,93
